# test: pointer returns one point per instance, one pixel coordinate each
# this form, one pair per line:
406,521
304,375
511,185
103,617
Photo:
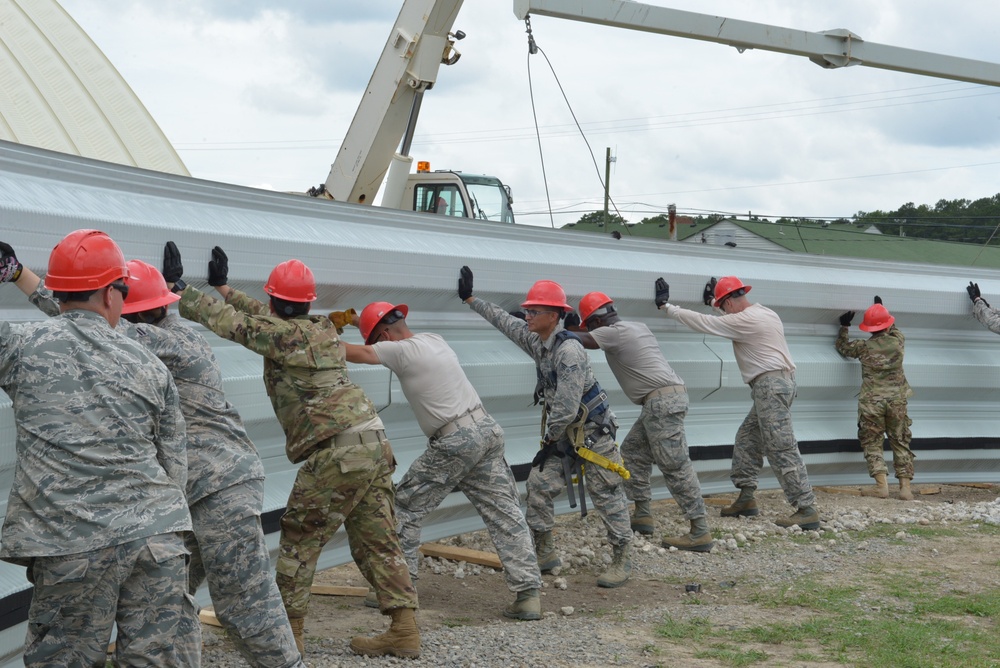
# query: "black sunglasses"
120,287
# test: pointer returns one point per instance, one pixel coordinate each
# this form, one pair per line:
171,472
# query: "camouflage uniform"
224,491
98,495
565,376
346,472
987,315
882,403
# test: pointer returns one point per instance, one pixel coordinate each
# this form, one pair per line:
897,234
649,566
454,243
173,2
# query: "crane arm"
828,49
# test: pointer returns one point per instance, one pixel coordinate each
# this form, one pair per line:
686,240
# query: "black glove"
519,315
571,320
173,268
10,268
972,289
218,268
662,292
846,318
464,283
708,295
548,449
878,300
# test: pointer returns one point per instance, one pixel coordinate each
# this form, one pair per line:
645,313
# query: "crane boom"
828,49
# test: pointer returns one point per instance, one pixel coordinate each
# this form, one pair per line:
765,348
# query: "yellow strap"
603,462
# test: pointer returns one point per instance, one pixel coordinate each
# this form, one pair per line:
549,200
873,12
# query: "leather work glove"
878,300
708,295
173,268
218,268
341,319
846,318
10,268
464,283
571,320
662,292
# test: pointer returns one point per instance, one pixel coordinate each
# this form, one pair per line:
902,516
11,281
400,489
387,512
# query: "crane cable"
533,48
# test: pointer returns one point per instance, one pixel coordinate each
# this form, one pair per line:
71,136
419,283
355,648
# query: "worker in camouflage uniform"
332,428
882,402
766,365
568,389
97,499
658,435
986,314
225,479
465,449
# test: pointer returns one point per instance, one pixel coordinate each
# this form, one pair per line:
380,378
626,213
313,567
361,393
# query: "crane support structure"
829,49
420,42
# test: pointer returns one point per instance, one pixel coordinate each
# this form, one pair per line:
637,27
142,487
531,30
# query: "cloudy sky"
260,93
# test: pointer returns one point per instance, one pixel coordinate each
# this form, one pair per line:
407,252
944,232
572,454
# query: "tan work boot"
620,569
881,489
371,599
526,606
545,551
806,517
402,639
745,504
905,493
642,519
298,629
699,540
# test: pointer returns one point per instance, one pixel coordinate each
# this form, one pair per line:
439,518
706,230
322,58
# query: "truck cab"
453,193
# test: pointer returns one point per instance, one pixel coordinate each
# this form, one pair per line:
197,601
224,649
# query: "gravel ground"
585,626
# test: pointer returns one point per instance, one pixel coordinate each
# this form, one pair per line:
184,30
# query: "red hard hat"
726,286
546,293
85,260
292,281
373,314
876,319
591,302
146,288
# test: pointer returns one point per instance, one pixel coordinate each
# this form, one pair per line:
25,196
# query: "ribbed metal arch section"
61,93
362,254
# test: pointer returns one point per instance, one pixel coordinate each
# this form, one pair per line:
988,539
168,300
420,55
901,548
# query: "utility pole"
672,218
607,184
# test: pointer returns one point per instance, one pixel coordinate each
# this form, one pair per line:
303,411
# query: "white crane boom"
828,49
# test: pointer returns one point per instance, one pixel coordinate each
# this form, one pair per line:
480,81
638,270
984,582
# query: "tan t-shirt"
635,358
432,379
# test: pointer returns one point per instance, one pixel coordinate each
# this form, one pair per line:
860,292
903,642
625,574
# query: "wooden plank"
207,616
460,554
975,485
928,490
840,490
339,590
717,502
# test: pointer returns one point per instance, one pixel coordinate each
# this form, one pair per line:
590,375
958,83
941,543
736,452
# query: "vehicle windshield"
489,198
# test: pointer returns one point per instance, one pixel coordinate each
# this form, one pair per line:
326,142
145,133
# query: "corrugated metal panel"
60,92
364,254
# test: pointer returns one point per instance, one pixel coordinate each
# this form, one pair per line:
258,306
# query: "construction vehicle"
420,42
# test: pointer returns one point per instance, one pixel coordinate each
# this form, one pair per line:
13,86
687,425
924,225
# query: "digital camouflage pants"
471,460
139,585
606,489
228,548
350,486
767,432
658,436
881,419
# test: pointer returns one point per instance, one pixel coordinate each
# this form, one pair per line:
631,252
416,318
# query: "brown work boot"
905,493
620,569
806,518
745,504
699,540
881,489
526,606
298,628
545,551
642,519
402,639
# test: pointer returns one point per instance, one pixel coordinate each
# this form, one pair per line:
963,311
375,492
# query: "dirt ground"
477,600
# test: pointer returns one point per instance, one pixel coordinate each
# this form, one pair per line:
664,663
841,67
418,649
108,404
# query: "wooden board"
207,616
339,590
460,554
840,490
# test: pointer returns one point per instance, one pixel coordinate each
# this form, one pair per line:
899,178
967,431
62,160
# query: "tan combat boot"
905,493
298,629
545,551
526,606
642,519
620,569
806,517
745,504
699,540
402,639
881,489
